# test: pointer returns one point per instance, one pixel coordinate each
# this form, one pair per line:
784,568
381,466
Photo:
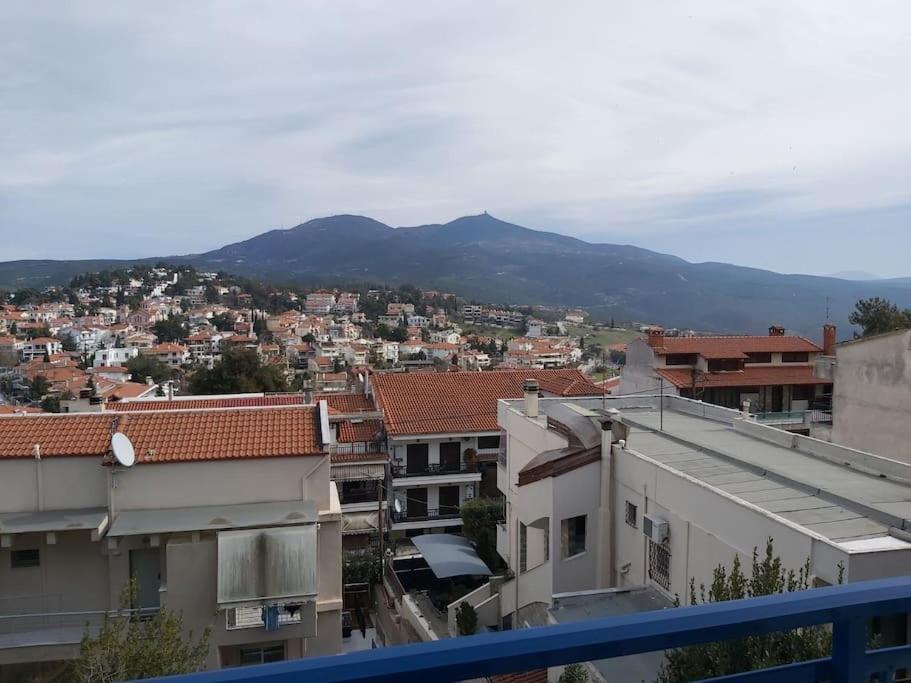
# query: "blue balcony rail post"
848,607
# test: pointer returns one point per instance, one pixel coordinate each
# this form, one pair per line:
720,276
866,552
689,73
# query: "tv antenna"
122,448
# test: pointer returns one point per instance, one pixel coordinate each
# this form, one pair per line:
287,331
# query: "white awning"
359,472
360,523
90,519
213,518
450,555
267,566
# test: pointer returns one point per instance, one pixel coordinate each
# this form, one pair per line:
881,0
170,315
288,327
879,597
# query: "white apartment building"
625,492
319,303
117,357
76,526
38,348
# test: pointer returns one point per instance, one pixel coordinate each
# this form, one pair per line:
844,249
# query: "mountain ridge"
487,259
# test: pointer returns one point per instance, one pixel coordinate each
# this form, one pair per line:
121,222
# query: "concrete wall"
577,493
638,373
65,484
871,404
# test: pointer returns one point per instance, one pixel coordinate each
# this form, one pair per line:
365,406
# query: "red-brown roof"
458,402
748,377
350,431
214,402
346,403
736,346
168,437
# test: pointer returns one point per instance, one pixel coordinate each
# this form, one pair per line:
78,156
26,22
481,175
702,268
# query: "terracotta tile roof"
346,403
718,346
168,437
344,458
213,402
351,431
457,402
751,376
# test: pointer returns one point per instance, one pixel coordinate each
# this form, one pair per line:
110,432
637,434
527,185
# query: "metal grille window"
523,547
632,514
659,564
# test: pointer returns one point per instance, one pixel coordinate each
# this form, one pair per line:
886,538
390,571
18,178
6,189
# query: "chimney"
655,337
530,387
829,339
776,331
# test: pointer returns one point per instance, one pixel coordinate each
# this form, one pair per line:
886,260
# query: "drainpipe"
39,478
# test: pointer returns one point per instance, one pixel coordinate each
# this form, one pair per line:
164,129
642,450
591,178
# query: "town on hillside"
416,466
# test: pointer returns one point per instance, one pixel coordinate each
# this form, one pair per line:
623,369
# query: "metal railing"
791,417
364,495
432,468
356,448
848,608
59,620
429,515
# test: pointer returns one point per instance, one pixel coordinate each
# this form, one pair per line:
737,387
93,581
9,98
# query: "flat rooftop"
834,500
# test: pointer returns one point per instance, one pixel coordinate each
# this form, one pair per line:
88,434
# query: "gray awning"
360,523
267,566
213,517
88,519
449,555
372,471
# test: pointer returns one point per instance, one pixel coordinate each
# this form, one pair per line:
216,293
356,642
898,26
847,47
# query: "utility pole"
379,519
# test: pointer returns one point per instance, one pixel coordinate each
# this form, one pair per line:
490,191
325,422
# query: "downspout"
39,477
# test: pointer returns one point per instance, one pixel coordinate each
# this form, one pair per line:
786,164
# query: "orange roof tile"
346,403
168,436
213,402
350,431
457,402
748,377
734,345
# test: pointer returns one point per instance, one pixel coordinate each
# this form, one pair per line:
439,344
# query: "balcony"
357,448
433,469
429,515
849,608
790,419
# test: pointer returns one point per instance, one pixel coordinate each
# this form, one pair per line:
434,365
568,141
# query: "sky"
772,134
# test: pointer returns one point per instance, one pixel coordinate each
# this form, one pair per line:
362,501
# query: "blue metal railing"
848,608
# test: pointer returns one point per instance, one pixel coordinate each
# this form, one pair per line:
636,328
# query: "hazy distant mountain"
484,258
854,275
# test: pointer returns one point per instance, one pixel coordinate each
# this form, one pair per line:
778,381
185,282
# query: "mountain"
484,258
854,275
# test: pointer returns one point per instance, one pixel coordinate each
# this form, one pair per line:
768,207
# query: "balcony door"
450,456
417,458
145,569
417,503
449,500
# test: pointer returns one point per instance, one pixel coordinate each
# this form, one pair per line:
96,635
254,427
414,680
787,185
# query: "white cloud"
196,124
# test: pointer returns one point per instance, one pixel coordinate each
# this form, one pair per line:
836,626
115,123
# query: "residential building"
871,401
542,353
114,356
775,373
649,491
443,439
70,542
172,355
319,303
40,347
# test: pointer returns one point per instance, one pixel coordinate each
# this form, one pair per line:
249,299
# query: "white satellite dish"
122,448
397,504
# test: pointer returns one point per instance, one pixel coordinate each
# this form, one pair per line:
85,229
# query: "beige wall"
65,483
871,404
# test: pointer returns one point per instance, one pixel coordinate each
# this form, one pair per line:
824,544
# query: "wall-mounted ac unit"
655,529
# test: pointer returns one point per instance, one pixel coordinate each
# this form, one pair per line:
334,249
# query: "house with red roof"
775,373
443,439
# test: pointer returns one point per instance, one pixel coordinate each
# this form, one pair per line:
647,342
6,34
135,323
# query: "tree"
67,342
466,619
308,338
362,567
768,577
173,328
222,321
39,388
130,646
480,517
617,357
239,371
142,366
50,404
877,315
573,673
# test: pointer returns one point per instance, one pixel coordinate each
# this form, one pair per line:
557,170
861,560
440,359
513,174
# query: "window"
486,443
680,359
523,547
573,536
262,655
632,513
795,357
759,358
20,559
724,365
659,564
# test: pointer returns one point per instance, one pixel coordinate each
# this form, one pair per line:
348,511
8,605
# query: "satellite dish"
397,504
122,448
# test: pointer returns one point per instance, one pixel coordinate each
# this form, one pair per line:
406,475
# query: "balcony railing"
430,515
848,608
364,495
356,448
792,417
431,469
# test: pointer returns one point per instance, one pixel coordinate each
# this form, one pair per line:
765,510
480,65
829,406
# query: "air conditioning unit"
655,528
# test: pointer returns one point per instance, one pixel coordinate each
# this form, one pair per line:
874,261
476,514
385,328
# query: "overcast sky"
769,134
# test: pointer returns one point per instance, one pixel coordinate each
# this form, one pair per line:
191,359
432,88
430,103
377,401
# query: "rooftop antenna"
122,448
828,299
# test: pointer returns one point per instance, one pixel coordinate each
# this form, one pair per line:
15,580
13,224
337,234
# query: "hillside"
484,258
